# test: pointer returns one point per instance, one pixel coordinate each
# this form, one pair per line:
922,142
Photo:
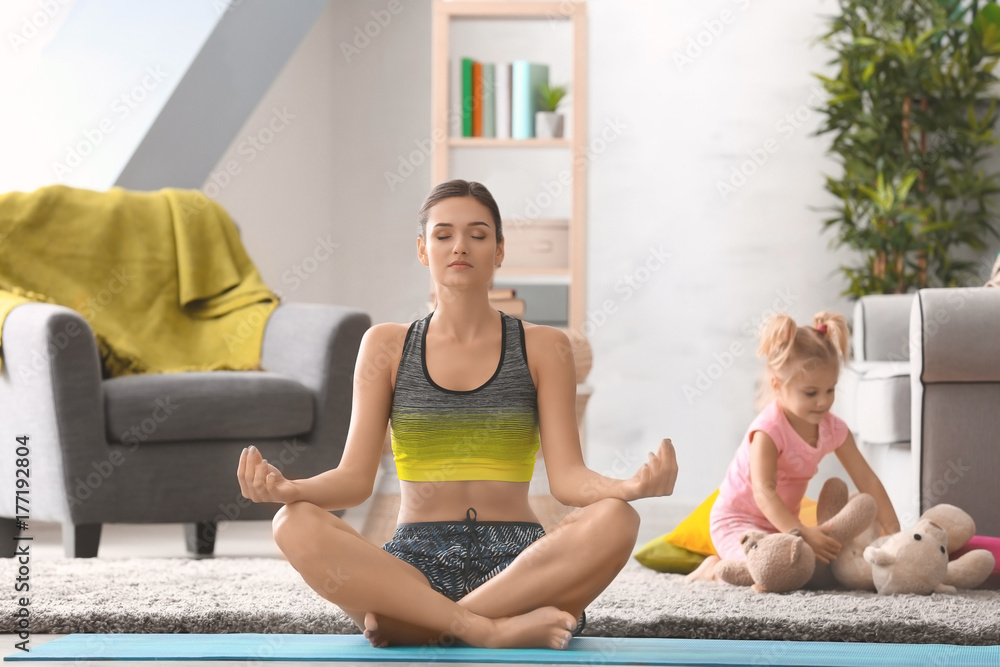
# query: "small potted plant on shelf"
548,121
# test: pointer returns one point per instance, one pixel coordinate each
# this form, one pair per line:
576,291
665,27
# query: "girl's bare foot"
547,627
705,571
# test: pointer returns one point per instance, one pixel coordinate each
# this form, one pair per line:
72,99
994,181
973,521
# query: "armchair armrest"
50,391
955,381
954,334
882,327
313,342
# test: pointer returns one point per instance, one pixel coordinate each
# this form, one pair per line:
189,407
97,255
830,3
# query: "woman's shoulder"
388,329
385,336
544,337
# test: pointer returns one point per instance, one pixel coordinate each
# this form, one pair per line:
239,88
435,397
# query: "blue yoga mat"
582,650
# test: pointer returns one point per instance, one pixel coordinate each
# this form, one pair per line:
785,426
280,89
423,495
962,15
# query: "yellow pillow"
692,533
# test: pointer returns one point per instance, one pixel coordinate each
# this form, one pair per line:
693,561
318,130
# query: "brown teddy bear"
849,569
783,562
776,562
916,560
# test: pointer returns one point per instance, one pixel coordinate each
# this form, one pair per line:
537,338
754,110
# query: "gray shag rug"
229,595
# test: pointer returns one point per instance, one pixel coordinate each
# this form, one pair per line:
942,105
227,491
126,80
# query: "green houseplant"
911,110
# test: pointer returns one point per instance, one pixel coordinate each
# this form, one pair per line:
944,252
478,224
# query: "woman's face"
460,245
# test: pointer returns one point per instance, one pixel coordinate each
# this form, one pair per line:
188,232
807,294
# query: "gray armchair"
955,378
164,448
922,396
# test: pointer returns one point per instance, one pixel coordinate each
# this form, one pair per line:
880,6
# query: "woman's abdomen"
448,501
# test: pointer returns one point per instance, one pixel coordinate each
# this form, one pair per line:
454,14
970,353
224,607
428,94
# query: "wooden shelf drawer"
536,244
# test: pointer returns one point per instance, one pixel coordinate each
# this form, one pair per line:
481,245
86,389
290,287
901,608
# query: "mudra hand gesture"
657,476
261,482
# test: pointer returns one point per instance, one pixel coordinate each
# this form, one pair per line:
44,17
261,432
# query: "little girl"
780,453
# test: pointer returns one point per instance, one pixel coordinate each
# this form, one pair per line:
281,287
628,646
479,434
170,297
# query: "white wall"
692,117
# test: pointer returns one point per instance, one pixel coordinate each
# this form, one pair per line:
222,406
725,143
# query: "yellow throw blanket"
161,277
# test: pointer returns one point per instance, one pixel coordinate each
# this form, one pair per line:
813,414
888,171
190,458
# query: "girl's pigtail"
833,326
776,337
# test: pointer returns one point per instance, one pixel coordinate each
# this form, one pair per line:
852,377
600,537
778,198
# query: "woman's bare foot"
371,632
705,571
547,627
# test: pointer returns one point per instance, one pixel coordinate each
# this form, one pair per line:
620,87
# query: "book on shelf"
527,79
489,100
466,97
501,98
477,98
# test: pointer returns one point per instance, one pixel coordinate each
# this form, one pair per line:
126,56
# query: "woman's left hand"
656,477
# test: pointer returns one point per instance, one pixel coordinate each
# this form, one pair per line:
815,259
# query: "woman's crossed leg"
348,570
532,602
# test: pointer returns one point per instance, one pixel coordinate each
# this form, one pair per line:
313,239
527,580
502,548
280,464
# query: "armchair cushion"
219,405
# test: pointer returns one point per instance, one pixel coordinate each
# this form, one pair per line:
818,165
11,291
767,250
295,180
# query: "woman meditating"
469,393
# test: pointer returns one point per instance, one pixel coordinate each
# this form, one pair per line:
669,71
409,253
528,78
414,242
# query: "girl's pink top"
798,462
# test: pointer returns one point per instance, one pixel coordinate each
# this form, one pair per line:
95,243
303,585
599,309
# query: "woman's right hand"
261,482
825,547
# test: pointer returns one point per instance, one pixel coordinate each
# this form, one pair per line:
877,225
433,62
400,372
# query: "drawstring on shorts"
473,547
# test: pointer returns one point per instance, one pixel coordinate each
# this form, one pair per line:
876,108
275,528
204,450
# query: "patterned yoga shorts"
459,556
